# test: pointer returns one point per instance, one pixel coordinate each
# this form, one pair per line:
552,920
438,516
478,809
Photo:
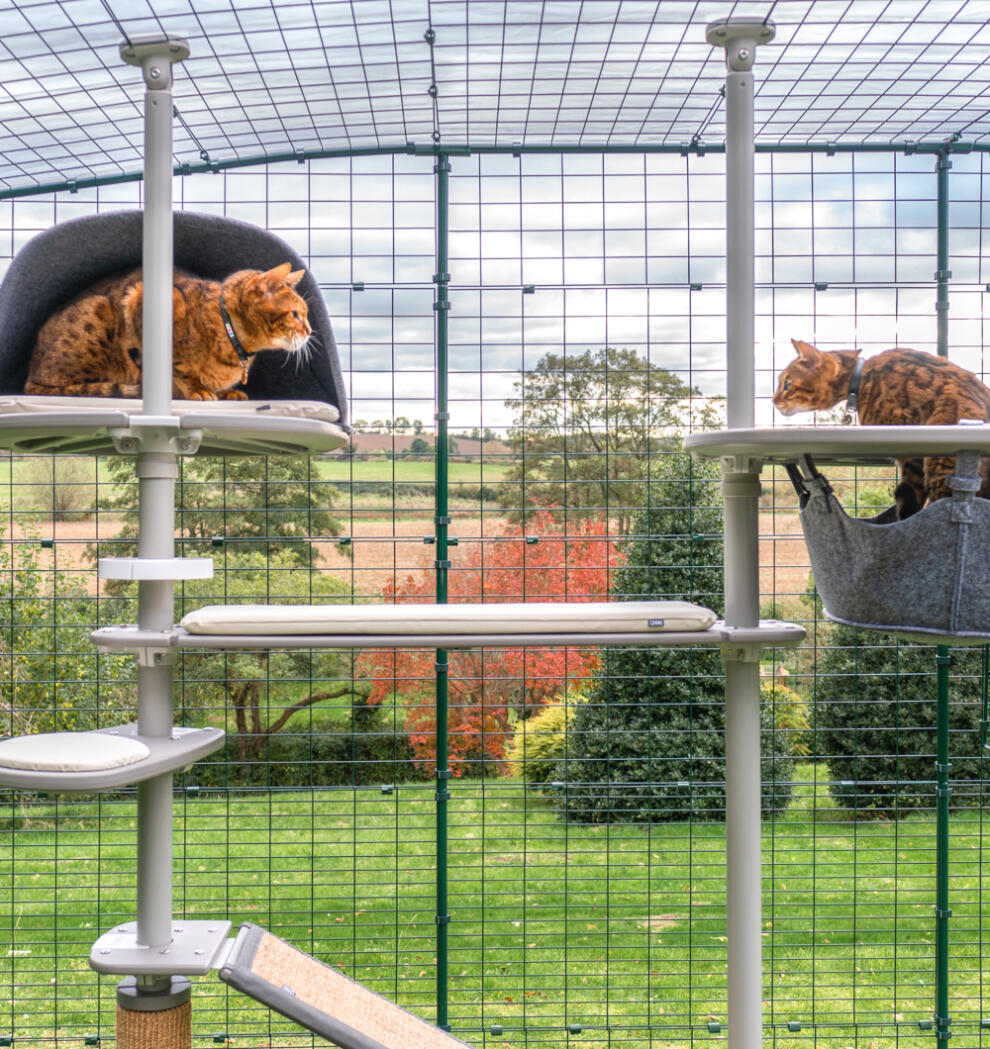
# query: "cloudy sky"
565,253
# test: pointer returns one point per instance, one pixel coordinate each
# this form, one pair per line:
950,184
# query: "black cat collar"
234,340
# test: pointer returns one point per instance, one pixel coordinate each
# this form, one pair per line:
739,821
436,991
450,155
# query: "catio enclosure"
516,215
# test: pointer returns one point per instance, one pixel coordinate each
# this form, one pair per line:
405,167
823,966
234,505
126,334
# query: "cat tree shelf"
855,445
104,426
102,759
581,624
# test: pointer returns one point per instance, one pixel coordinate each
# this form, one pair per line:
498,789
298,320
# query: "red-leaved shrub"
490,689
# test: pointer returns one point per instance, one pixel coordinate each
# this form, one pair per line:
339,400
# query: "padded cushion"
55,266
70,752
296,409
579,617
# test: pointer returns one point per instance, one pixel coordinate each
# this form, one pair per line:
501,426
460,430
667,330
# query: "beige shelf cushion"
579,617
70,752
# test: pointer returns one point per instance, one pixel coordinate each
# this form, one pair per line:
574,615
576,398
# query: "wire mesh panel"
585,839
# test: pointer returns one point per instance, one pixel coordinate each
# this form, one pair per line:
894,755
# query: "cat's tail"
84,389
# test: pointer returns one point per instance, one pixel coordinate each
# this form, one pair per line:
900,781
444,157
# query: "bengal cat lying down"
895,388
92,347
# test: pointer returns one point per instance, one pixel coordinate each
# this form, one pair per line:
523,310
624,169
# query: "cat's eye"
295,315
787,385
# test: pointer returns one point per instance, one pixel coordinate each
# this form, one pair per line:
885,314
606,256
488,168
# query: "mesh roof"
277,77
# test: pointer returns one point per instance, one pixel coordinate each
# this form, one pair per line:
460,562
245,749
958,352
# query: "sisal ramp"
322,999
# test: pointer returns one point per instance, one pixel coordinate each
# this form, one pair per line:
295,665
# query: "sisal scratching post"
168,1029
154,1017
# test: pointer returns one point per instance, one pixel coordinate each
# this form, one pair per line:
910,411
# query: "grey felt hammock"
58,264
927,576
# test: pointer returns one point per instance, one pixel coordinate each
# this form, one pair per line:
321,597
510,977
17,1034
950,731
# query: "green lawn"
619,928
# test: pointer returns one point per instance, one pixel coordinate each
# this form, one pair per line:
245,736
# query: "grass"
617,928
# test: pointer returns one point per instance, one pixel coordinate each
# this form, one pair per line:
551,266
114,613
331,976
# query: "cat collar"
852,398
234,340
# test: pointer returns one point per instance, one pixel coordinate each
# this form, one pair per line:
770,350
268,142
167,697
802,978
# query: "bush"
540,741
649,743
875,723
368,750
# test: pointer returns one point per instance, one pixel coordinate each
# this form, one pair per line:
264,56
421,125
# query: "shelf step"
157,568
88,761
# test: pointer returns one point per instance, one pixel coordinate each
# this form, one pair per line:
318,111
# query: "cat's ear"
805,350
295,277
276,275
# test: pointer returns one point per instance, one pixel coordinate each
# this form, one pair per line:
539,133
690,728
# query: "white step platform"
109,425
839,444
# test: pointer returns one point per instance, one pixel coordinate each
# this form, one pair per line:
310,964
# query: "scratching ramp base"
322,999
168,1029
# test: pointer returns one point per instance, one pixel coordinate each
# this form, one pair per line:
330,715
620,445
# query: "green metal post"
943,793
442,521
942,766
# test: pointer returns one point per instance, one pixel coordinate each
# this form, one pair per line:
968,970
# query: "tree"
258,517
491,689
587,426
248,503
53,678
648,744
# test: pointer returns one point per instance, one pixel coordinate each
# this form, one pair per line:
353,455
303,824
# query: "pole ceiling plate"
139,49
723,31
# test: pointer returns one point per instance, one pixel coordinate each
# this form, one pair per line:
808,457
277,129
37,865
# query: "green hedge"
649,743
874,712
368,750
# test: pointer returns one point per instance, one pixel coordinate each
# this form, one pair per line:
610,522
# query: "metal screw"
743,53
154,72
200,951
164,950
105,951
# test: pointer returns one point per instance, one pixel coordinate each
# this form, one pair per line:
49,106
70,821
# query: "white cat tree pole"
741,492
154,1007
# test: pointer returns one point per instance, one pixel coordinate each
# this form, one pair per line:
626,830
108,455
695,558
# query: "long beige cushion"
70,752
21,403
579,617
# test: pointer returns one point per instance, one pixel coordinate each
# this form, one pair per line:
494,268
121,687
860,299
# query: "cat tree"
157,954
931,589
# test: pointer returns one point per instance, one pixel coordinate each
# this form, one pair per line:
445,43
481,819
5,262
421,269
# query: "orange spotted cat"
92,347
895,388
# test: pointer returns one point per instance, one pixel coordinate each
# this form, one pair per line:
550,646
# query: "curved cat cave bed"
55,266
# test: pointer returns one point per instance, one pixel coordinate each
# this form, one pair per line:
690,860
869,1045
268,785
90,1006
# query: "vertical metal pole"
157,470
442,521
942,659
741,490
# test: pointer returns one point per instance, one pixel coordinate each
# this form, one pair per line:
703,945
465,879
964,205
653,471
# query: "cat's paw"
906,501
232,395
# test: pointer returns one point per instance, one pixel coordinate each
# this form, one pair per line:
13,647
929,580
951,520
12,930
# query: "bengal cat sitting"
895,388
92,347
